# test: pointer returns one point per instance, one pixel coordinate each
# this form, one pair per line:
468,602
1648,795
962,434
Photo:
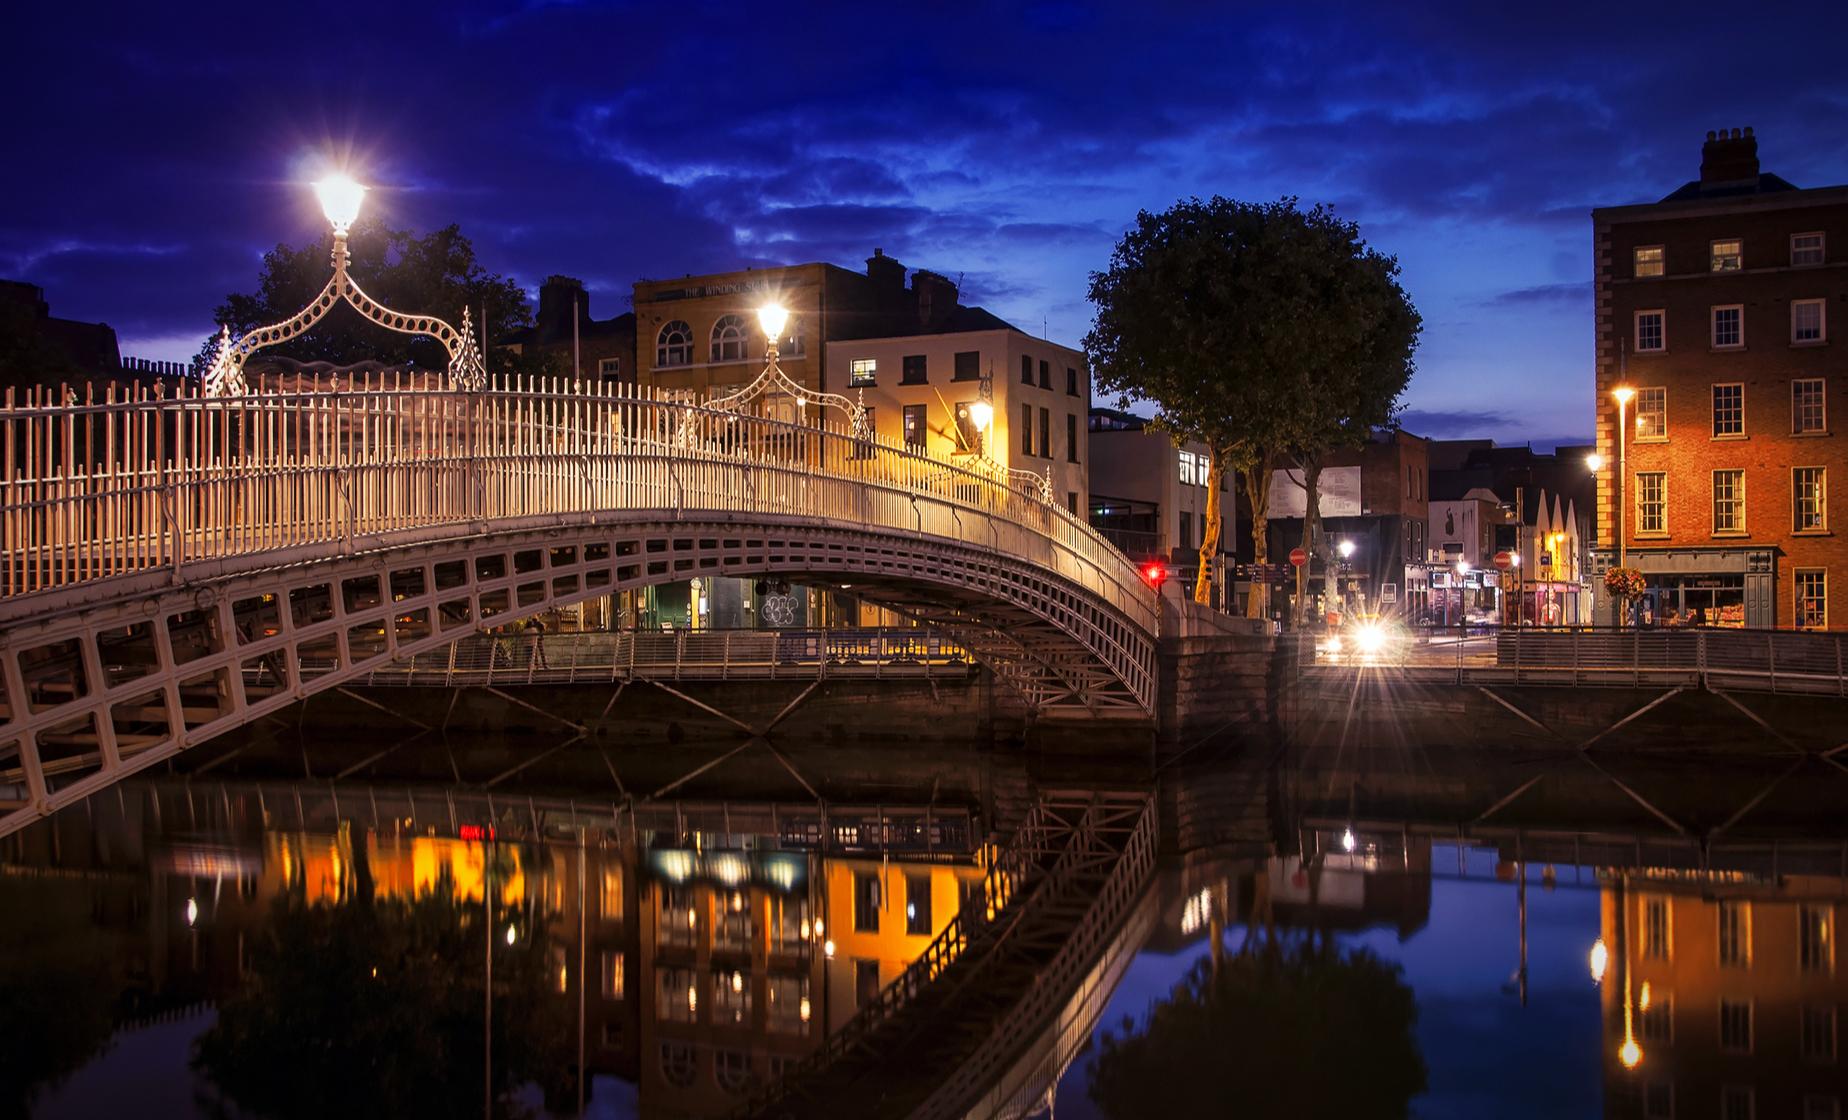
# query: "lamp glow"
1347,841
1462,567
1630,1054
773,317
1622,394
827,948
340,198
512,935
1345,548
981,414
1594,461
192,911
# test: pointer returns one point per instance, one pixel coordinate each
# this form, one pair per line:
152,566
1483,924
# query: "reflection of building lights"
692,998
805,929
1197,910
192,911
1600,960
803,1009
1642,997
729,868
827,948
675,864
818,927
737,981
692,919
1347,840
512,935
911,911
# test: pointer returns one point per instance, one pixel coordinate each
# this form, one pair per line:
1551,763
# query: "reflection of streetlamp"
1600,960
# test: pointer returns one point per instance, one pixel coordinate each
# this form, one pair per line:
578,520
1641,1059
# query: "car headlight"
1371,638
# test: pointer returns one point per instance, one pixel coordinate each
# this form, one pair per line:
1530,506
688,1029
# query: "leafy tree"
1303,1032
436,274
374,1007
1264,331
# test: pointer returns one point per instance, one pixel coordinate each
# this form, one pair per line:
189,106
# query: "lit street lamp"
1621,394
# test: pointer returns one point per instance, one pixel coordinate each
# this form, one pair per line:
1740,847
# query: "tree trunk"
1256,474
1210,530
1312,532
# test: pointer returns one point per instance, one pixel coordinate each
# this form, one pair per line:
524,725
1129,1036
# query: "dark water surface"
1419,933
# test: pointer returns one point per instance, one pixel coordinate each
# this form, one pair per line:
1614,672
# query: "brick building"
603,349
1715,307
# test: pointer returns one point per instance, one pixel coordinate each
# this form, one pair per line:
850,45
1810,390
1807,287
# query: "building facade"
1716,309
602,350
1148,494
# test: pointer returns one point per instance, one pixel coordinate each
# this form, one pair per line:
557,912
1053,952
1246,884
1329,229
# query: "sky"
1008,145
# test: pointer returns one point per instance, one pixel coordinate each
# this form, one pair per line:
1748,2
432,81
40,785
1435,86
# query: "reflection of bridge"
158,552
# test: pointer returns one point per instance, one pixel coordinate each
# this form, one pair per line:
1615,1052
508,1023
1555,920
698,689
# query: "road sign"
1504,560
1389,593
1298,557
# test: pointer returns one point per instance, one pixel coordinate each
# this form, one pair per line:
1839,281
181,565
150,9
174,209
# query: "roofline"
1723,204
1006,328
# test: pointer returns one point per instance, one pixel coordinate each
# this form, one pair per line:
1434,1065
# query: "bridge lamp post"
1621,394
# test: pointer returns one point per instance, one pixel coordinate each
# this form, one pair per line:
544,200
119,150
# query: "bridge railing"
105,487
1780,661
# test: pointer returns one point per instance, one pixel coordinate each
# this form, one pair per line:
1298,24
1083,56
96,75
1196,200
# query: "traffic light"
1155,574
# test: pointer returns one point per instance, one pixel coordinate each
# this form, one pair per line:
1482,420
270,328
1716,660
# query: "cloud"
1452,424
1576,296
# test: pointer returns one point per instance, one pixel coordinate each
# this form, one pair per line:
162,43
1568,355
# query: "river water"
1408,933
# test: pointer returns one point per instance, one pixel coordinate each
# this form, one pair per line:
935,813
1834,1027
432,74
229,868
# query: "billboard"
1338,490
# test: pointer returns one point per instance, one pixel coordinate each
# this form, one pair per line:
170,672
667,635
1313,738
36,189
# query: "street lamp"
772,317
1621,394
1345,548
982,414
340,199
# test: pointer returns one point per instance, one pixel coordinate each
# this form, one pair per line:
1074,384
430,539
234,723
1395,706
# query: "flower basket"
1625,583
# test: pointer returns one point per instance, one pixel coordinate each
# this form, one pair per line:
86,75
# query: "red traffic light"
1155,574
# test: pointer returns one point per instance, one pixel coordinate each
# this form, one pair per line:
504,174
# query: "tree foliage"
1302,1032
436,274
1259,329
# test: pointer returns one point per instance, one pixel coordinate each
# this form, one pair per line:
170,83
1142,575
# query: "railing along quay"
1777,661
679,655
106,487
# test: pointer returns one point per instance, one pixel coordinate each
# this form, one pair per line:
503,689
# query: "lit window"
1655,916
1648,261
1729,409
1736,1026
1809,488
1819,1034
612,974
1652,517
915,430
612,894
1728,255
863,372
1815,924
1808,321
1729,501
1649,332
1652,413
1805,249
1806,405
917,906
728,336
1735,932
1728,327
676,995
674,345
1187,460
968,436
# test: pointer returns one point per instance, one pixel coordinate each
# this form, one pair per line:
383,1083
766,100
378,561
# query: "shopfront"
1707,587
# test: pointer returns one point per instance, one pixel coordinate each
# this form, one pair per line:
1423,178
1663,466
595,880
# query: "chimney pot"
1729,156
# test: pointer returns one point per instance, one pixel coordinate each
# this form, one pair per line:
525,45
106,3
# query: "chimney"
936,297
886,274
1729,157
554,318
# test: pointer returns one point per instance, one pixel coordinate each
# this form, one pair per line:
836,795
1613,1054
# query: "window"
677,996
1815,924
612,893
1728,327
1188,460
1812,590
917,905
1805,249
1652,413
1728,501
866,902
1026,429
1728,255
1071,382
731,1071
1649,332
1729,409
865,982
968,436
1045,374
915,370
1807,412
731,996
1819,1034
610,369
1651,502
863,372
1808,323
791,346
1071,437
1655,928
1737,1103
1656,1023
678,1064
612,974
1659,1100
1185,539
1736,934
1648,261
1736,1026
790,1010
728,336
916,434
1045,435
674,345
1026,370
1809,491
1071,501
1817,1107
968,366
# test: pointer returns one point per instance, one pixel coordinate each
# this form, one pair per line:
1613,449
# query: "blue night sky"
1007,144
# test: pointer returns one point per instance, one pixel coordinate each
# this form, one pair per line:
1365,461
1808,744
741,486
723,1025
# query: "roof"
1766,183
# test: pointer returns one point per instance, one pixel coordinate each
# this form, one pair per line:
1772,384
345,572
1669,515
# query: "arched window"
674,345
728,336
731,1070
678,1063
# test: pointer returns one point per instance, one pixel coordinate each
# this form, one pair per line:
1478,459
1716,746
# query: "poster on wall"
1338,491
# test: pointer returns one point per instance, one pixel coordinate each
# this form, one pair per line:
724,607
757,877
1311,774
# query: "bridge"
158,552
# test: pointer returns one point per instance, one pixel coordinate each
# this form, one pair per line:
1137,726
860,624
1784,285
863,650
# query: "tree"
1262,330
1302,1031
436,274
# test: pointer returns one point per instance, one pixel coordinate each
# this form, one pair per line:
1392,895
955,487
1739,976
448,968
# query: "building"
1148,494
600,349
1715,308
41,352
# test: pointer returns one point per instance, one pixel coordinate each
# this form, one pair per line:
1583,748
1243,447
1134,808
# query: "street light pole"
1622,394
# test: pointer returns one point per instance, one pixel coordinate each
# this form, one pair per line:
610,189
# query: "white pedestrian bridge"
158,552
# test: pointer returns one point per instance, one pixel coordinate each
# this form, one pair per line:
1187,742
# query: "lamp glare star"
340,198
773,317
